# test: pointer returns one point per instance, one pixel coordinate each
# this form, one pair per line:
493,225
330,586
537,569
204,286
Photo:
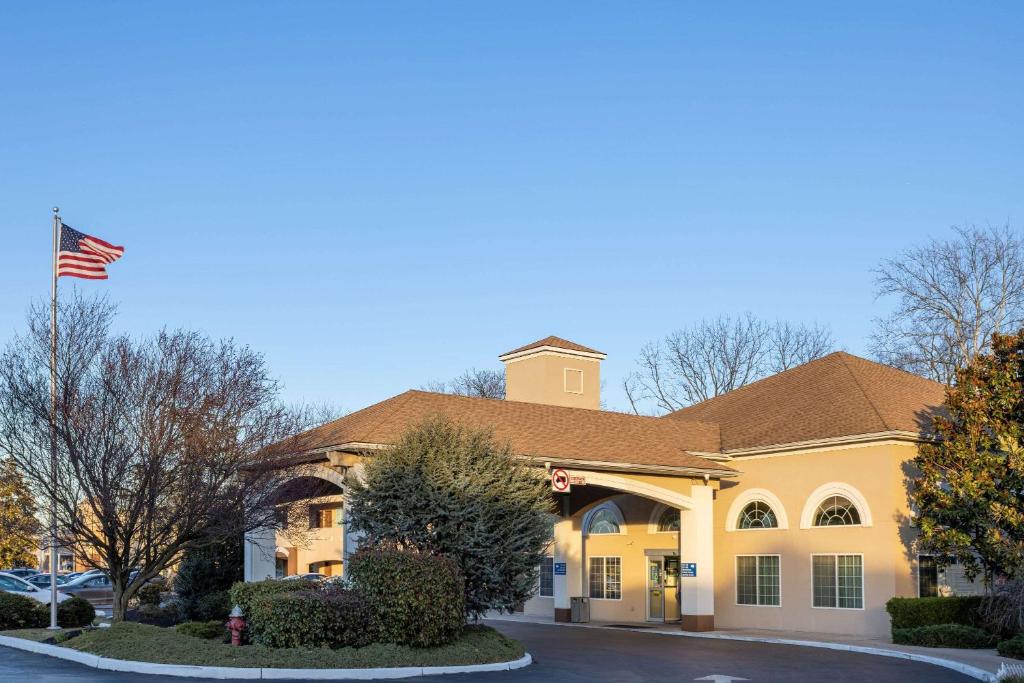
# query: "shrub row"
208,630
916,612
18,611
396,596
944,635
1014,647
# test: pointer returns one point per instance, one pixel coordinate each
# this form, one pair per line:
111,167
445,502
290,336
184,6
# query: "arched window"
669,520
836,511
757,515
603,521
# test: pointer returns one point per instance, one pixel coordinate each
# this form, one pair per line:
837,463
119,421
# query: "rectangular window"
547,577
757,580
838,581
606,578
573,381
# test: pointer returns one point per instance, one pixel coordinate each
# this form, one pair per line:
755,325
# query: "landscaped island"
144,643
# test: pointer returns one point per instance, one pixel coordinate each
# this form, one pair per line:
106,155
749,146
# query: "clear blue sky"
383,194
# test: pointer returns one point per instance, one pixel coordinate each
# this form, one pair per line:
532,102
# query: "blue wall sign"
559,568
688,570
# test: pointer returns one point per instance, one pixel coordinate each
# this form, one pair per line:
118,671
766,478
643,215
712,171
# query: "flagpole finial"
56,209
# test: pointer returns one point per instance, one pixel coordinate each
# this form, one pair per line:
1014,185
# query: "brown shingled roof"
835,396
557,342
533,429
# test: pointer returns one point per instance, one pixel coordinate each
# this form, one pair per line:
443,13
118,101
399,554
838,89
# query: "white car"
12,584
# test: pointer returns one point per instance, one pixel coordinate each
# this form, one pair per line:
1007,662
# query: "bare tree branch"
473,382
951,296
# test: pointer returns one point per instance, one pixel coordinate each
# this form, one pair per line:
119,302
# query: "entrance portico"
609,547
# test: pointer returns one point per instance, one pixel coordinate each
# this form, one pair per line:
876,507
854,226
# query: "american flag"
85,256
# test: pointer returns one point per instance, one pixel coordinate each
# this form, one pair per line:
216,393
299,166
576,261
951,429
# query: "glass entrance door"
672,612
655,589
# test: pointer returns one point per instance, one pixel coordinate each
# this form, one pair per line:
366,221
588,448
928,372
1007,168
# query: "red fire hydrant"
236,624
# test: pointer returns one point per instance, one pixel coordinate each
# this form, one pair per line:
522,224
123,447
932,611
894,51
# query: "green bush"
214,606
150,593
352,622
209,568
416,599
914,612
75,612
18,611
1014,647
294,619
944,635
207,630
243,594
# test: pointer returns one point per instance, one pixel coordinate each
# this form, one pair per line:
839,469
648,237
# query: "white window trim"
835,488
736,577
605,575
863,590
656,513
565,380
753,496
616,512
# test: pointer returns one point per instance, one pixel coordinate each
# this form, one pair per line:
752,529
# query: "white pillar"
697,547
568,551
259,550
349,539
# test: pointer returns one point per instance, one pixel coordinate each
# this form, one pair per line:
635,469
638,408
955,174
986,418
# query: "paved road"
570,655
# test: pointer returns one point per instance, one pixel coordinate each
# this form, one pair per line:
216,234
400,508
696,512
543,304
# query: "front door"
672,612
655,589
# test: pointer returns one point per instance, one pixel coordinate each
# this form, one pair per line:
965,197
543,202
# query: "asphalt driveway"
568,655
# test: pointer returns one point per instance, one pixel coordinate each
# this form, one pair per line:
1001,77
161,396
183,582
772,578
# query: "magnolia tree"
455,491
970,492
162,443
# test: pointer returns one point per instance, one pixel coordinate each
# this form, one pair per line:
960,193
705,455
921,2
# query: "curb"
966,669
240,673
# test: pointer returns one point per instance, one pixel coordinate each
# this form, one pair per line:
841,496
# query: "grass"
36,634
140,642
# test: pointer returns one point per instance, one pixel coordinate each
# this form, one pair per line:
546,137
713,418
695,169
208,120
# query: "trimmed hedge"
1014,647
944,635
207,630
75,612
416,599
213,606
915,612
243,594
149,594
335,617
18,611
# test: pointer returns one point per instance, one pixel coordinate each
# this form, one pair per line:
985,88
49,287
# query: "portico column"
697,547
568,551
349,539
260,554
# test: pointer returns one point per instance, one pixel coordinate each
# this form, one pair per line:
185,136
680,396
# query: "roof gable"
835,396
554,342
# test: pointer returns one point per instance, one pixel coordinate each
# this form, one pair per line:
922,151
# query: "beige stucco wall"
878,473
540,378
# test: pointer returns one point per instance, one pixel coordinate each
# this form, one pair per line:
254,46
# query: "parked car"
94,587
308,576
10,583
43,580
21,572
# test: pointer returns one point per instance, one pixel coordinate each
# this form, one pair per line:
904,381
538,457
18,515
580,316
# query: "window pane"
746,580
597,577
603,522
927,576
547,577
613,578
851,594
669,520
836,511
824,580
768,580
757,515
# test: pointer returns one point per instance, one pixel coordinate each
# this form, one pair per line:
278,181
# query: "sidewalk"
981,664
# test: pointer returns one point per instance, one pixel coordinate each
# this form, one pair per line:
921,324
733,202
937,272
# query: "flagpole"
53,423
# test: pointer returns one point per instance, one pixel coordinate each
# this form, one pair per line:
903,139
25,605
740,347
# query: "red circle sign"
560,480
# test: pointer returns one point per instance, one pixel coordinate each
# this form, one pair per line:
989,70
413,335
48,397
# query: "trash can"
580,610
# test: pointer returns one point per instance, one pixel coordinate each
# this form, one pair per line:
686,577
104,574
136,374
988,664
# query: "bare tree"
162,443
714,356
473,382
951,296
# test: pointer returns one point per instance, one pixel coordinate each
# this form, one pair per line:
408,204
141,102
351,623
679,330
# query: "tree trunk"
120,606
